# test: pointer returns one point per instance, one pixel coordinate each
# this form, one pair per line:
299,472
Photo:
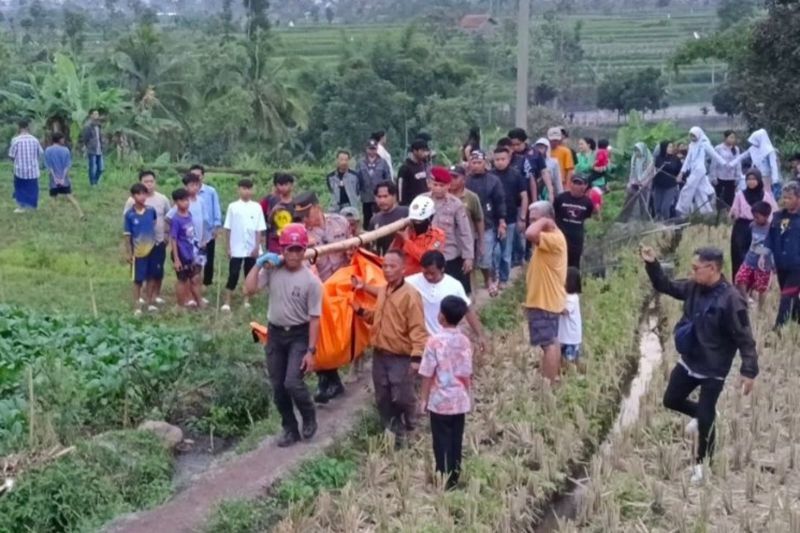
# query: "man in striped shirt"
25,151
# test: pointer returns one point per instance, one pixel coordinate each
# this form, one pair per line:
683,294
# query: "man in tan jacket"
398,336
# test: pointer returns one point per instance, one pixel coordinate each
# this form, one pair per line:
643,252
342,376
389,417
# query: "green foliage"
641,90
113,473
86,372
322,473
242,516
240,397
637,130
732,12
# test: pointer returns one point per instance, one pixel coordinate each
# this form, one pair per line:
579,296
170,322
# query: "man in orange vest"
420,236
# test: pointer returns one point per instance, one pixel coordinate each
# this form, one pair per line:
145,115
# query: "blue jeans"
502,254
95,168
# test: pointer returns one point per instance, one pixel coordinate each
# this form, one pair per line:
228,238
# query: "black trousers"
208,270
455,268
726,190
680,386
740,244
574,252
234,266
448,435
369,209
285,352
789,307
328,378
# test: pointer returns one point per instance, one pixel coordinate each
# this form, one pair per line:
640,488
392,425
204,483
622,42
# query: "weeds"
110,474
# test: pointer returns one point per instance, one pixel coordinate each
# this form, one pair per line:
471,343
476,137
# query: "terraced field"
611,42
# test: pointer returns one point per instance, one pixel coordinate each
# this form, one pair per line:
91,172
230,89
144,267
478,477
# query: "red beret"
441,175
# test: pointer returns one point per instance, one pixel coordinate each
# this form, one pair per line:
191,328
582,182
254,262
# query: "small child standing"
246,227
58,160
570,325
446,369
139,234
602,160
756,270
182,243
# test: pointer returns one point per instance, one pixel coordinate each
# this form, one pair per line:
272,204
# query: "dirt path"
249,475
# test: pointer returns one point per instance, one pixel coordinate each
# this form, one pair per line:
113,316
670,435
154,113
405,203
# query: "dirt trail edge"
249,475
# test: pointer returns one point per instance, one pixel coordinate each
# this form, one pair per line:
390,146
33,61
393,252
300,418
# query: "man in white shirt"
434,285
246,228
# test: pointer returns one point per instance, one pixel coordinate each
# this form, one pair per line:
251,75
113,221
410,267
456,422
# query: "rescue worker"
295,306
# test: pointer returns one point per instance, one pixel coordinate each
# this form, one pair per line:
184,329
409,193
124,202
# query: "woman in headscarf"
742,216
765,158
726,179
637,198
665,183
697,191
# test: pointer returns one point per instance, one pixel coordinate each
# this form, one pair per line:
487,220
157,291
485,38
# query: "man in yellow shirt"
562,154
546,279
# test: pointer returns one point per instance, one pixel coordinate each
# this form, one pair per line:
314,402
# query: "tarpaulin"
343,335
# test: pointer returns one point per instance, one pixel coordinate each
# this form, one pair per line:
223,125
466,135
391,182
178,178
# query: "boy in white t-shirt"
570,324
246,227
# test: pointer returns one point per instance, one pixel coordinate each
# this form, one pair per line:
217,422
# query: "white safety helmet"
422,208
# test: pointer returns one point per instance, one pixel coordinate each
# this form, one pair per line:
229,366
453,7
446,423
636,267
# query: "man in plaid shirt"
25,151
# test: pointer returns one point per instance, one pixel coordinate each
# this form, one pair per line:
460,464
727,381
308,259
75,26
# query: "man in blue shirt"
58,161
212,220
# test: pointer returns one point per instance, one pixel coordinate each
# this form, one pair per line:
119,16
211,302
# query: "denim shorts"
489,242
571,352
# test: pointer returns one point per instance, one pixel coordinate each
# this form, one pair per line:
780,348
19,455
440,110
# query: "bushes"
115,472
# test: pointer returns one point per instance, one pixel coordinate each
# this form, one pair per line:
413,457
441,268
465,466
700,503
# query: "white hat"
555,134
422,208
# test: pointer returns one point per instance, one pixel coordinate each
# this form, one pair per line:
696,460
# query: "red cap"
294,235
441,175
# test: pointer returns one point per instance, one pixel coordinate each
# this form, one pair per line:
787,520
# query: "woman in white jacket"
697,193
765,158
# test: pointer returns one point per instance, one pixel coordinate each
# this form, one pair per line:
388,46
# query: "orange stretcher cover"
343,335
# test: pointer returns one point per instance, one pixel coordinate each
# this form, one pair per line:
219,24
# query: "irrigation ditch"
565,504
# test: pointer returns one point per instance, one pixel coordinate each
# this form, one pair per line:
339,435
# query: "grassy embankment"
75,363
522,441
643,485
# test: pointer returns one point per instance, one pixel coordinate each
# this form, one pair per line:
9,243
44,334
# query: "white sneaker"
692,428
247,304
205,302
226,308
19,210
191,304
159,301
152,309
138,312
697,475
141,301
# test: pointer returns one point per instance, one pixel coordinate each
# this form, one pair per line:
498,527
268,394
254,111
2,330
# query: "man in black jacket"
719,326
412,178
493,201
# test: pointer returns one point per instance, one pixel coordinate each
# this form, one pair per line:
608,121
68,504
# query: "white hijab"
697,149
760,145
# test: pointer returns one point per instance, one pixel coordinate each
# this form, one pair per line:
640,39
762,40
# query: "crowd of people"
499,208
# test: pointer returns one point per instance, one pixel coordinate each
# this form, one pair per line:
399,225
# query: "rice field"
643,483
522,441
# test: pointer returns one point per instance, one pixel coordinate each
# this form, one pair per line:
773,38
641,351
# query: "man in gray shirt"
92,140
295,306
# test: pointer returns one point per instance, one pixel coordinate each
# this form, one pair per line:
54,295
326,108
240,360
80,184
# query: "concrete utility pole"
523,51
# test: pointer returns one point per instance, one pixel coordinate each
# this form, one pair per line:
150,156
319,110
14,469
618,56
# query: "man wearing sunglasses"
715,325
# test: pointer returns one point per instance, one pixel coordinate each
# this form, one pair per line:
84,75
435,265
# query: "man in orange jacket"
421,236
